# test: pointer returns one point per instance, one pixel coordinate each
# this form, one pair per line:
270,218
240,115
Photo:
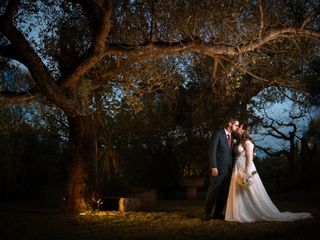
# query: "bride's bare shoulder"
248,143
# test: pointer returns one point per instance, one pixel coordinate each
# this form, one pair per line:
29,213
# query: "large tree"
249,44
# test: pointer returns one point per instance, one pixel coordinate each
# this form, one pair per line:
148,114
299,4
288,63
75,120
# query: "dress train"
252,203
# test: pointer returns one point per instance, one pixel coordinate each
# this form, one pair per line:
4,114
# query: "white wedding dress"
252,203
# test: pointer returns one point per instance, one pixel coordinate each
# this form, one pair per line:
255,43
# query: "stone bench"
136,202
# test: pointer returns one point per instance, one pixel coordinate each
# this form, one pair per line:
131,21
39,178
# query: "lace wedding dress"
251,202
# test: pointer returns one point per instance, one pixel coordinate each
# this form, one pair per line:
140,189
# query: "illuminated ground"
169,220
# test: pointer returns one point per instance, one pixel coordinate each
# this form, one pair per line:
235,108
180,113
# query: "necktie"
229,140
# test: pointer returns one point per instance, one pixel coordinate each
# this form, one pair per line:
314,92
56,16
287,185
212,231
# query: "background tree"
310,153
283,128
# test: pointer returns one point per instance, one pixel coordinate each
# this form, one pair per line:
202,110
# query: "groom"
221,162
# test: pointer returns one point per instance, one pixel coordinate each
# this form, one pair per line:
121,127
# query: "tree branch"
90,11
160,49
271,153
214,72
37,69
280,135
310,17
262,17
244,70
97,51
9,51
277,34
11,9
8,98
104,27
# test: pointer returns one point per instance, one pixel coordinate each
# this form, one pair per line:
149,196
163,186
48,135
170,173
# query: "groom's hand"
214,172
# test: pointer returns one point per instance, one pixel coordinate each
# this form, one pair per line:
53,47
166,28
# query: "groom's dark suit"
221,157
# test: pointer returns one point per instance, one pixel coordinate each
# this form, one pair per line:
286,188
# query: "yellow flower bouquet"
244,179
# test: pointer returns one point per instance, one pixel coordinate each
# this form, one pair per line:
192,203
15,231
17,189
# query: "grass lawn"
169,220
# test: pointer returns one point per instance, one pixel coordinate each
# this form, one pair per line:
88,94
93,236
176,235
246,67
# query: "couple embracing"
235,191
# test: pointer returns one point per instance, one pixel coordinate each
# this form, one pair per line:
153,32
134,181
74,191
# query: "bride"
248,200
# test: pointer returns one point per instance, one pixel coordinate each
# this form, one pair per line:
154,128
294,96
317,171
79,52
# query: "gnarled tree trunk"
82,187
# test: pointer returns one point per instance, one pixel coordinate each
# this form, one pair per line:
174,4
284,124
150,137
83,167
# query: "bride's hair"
246,136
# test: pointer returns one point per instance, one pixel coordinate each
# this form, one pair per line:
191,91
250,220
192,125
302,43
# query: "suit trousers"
217,194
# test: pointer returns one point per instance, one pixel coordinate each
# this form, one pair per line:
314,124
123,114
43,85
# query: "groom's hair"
230,119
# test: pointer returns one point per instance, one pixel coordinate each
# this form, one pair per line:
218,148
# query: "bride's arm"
249,154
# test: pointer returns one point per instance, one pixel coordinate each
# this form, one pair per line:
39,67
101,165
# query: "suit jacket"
221,156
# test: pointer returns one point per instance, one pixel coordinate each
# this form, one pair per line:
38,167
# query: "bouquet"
244,179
